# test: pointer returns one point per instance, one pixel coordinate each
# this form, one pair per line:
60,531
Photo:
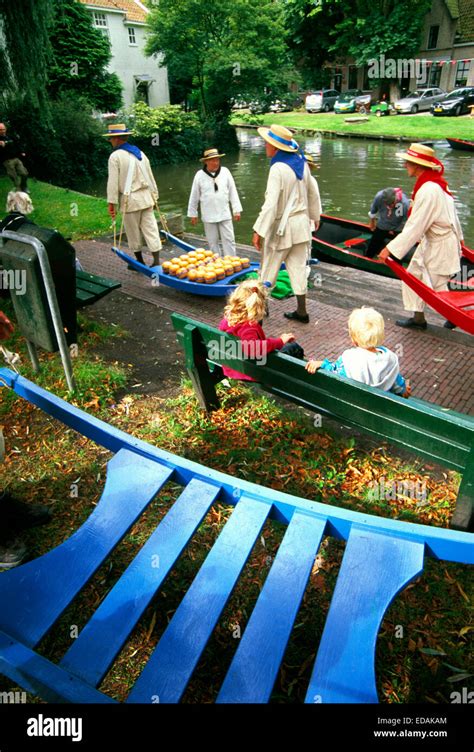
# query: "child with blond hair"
242,318
368,361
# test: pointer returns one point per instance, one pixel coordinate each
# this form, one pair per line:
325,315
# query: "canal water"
351,171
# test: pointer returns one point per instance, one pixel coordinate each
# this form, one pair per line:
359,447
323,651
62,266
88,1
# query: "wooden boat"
219,288
461,144
343,242
456,307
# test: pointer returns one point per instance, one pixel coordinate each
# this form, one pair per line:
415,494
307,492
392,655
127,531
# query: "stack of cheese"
204,266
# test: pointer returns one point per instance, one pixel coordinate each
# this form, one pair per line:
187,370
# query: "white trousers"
139,226
295,260
438,282
223,231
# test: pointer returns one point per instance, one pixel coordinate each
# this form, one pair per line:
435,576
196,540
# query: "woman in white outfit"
432,223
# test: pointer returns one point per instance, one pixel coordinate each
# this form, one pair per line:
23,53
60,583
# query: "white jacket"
144,192
214,204
434,224
306,207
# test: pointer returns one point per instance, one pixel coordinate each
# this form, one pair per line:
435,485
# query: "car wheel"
379,113
458,110
362,110
326,108
414,109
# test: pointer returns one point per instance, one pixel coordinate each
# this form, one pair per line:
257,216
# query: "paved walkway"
439,363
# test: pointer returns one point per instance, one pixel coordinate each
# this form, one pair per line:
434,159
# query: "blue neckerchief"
131,149
295,160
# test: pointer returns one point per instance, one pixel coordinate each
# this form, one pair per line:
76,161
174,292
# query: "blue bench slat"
174,659
94,650
374,569
450,545
35,594
37,675
256,663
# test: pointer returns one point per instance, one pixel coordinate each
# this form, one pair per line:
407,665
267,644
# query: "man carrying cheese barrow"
132,185
283,228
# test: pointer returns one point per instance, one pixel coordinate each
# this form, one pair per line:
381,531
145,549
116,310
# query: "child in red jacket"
243,314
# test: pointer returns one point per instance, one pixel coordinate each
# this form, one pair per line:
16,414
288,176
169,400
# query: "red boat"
456,307
461,144
344,241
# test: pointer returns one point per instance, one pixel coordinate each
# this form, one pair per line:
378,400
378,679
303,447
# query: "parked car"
353,100
418,100
322,100
456,103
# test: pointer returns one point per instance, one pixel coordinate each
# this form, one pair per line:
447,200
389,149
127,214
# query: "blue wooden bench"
381,557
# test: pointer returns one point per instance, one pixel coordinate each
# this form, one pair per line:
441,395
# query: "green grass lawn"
416,127
74,214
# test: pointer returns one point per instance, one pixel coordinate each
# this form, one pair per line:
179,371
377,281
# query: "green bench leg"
203,379
463,517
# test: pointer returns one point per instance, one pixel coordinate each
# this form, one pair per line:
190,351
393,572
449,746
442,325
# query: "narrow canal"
351,171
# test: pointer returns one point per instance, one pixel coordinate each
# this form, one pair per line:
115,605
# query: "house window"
100,23
461,73
435,74
433,37
131,35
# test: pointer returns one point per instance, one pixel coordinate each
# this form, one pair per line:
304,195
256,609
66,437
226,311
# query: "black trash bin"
31,306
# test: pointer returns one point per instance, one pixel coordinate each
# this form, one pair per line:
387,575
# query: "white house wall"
129,61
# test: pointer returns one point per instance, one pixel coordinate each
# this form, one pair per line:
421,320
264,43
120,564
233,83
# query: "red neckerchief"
430,176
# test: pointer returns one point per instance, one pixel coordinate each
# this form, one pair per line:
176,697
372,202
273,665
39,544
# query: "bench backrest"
381,557
439,434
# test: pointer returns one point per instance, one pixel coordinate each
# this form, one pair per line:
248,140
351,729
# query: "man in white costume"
132,185
214,190
432,223
284,223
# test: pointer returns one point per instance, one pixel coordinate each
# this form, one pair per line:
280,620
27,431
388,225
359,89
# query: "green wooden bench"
436,433
90,288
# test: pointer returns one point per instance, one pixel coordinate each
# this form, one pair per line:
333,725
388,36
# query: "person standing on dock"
283,228
132,185
214,190
432,223
388,214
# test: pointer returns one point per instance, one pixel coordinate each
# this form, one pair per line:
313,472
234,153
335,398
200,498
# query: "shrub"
65,152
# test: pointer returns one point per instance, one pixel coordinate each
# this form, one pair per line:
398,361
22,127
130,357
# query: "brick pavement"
439,363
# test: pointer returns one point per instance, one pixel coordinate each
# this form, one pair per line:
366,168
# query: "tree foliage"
221,48
80,55
372,28
24,50
333,30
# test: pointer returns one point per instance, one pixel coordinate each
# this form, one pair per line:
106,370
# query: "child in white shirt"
368,361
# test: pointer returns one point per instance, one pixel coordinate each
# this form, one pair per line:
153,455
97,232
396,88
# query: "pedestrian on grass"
11,155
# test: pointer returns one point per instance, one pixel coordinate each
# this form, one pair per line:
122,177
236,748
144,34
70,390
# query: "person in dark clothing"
15,515
10,153
388,214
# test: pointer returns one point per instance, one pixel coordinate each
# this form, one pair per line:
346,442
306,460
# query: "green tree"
362,29
221,47
24,51
309,27
80,55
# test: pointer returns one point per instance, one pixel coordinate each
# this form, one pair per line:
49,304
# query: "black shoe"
411,324
295,316
12,553
449,325
132,268
18,515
